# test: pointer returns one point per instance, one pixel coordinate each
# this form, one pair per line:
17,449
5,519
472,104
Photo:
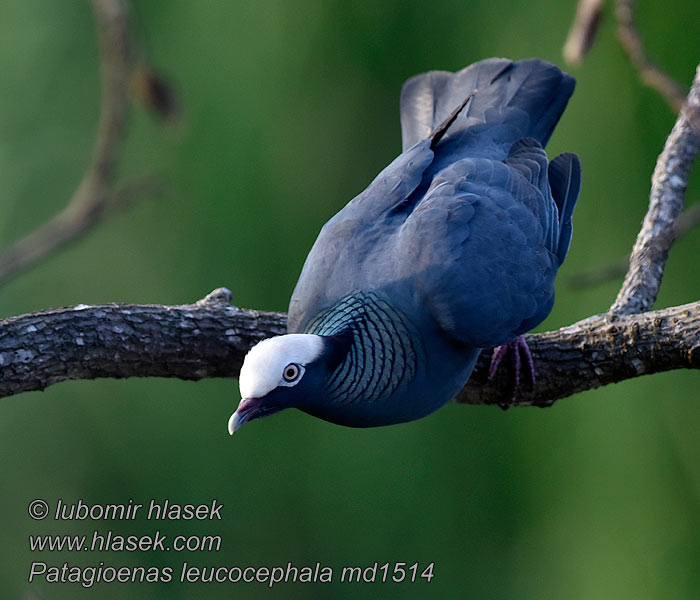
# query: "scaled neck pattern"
384,351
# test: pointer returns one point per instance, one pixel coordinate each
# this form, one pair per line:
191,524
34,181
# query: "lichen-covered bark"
210,339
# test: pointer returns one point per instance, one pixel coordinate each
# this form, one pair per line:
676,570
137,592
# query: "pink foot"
517,347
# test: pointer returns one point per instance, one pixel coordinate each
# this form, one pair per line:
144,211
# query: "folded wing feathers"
565,181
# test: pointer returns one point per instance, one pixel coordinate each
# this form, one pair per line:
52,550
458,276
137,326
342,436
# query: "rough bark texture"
210,339
595,352
206,339
666,200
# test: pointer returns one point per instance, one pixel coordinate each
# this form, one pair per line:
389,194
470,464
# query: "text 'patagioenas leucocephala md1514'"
452,248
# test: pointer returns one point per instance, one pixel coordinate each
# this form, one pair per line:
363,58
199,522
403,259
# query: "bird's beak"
235,422
243,413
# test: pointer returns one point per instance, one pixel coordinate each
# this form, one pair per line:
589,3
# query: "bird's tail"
511,100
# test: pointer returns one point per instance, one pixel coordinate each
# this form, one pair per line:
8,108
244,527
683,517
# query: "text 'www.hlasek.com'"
112,540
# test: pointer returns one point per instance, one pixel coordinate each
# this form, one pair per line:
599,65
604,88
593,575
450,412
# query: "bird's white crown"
264,364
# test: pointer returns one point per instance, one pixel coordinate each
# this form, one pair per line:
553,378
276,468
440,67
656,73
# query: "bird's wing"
343,258
565,181
481,246
467,221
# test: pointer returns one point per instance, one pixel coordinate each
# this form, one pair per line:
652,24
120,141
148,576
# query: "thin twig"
125,195
668,185
583,30
651,74
689,220
609,272
87,205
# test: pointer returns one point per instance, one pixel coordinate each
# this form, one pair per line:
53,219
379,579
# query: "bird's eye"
291,373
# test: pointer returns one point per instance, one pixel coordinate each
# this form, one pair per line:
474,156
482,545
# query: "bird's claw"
516,348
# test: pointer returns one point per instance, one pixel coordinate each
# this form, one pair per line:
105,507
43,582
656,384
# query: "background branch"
89,201
582,36
650,73
583,30
688,220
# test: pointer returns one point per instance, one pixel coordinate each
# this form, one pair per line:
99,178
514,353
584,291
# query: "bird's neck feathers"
372,348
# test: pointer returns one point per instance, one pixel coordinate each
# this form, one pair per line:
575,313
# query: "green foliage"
289,110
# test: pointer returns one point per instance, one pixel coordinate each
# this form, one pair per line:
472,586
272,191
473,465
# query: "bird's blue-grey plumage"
452,248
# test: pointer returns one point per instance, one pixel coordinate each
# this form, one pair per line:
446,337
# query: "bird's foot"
517,349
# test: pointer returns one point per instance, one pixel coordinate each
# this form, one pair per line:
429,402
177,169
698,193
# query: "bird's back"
467,233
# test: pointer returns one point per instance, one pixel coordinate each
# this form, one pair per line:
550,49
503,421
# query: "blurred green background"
289,109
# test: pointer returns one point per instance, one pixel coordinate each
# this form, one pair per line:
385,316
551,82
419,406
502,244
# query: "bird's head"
277,373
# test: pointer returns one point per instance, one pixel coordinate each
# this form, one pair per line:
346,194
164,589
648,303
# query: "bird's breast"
387,375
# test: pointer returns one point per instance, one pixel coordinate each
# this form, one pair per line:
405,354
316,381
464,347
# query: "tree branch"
583,30
89,201
597,351
651,74
582,35
668,185
210,339
687,221
206,339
